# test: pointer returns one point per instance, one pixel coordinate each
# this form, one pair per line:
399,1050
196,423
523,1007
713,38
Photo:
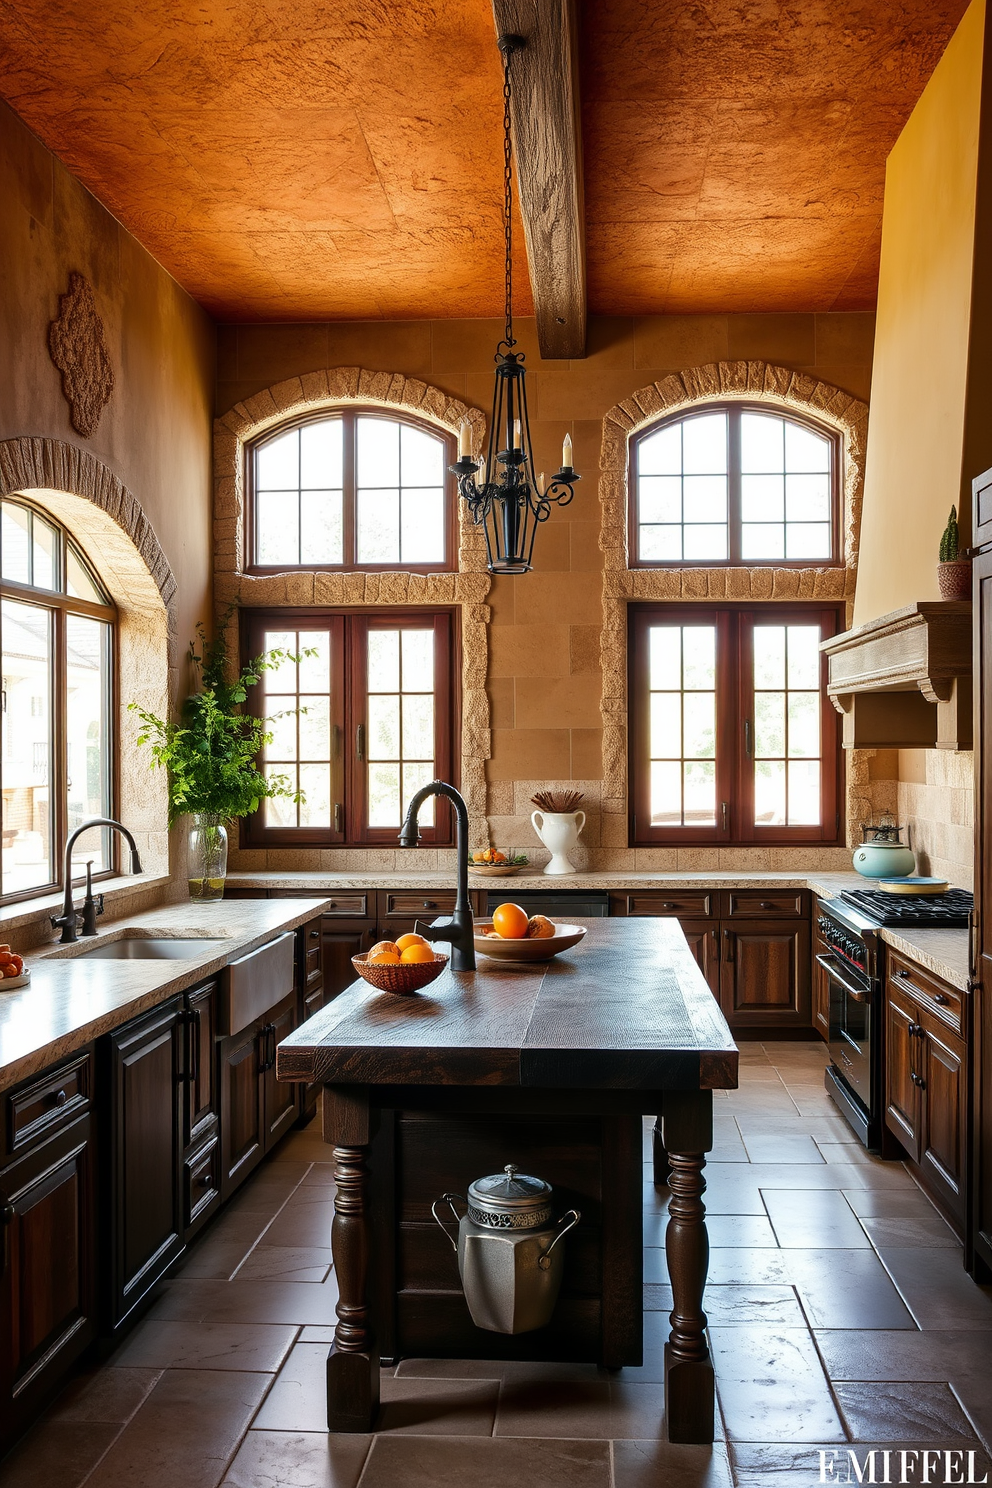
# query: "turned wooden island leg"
353,1362
687,1132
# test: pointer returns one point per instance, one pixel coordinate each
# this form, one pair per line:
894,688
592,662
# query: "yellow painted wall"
914,470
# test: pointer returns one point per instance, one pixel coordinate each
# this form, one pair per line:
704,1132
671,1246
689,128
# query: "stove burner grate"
950,910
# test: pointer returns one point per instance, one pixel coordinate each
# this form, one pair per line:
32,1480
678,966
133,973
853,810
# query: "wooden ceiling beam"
547,148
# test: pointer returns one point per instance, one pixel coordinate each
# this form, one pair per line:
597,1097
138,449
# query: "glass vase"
207,856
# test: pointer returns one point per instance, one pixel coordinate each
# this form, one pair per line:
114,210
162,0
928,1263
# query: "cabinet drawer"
201,1182
763,903
47,1104
696,903
945,1001
405,904
354,904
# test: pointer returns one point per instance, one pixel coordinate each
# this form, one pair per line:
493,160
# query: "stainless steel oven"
850,959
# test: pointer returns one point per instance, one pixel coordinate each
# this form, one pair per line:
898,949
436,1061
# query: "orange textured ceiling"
294,161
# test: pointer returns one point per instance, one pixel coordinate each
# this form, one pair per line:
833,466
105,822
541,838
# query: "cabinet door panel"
764,974
703,938
147,1059
902,1093
241,1122
48,1291
340,943
942,1155
200,1104
280,1099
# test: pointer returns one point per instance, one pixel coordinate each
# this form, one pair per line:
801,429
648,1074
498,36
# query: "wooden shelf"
903,681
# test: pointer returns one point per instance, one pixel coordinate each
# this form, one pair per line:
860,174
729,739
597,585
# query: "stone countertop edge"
51,1018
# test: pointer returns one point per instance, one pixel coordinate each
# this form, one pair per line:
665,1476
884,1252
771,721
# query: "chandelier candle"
500,488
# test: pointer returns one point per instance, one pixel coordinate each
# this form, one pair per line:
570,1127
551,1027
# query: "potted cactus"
953,571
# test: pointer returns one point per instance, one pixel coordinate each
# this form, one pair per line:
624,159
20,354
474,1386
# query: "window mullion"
734,484
349,495
59,745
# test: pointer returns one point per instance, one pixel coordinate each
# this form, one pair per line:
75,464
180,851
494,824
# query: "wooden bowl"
496,870
526,950
403,979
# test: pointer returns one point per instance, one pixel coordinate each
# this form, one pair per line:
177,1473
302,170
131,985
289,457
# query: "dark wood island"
551,1065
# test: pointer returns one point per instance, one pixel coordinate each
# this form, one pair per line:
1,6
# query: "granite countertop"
70,1000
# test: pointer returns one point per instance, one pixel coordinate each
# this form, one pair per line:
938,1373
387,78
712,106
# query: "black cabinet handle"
914,1030
59,1098
195,1061
765,904
917,1080
430,904
667,904
314,934
728,941
940,999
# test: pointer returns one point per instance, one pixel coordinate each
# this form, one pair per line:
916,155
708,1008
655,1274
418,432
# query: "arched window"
735,484
57,634
355,489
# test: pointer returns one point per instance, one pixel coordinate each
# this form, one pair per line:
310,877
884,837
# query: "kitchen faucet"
67,919
459,928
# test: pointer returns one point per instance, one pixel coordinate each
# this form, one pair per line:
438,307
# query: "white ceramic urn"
559,831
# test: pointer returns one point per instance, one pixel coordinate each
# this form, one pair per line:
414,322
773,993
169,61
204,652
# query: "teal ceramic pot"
884,860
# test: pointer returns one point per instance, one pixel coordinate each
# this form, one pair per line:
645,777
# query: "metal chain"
508,199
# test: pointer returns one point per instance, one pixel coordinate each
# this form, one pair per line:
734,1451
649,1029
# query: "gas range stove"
952,908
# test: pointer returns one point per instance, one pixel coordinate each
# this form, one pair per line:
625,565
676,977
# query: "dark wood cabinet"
146,1093
256,1109
201,1134
978,1246
926,1082
342,939
764,973
48,1252
280,1101
902,1091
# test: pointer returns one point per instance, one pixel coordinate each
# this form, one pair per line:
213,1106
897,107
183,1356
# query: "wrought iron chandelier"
507,499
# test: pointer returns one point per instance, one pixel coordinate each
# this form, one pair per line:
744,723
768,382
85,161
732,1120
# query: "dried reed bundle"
557,801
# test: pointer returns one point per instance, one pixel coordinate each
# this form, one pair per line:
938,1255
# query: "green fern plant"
211,753
950,541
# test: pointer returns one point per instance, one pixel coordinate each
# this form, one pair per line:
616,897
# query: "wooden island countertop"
623,1024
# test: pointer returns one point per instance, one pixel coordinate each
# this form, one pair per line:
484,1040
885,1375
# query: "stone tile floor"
840,1318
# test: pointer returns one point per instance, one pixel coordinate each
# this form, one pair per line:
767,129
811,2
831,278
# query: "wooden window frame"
60,604
734,408
349,626
349,417
735,707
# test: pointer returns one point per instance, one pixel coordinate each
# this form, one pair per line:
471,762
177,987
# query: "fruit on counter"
385,945
510,921
539,927
404,942
491,857
417,953
11,965
379,957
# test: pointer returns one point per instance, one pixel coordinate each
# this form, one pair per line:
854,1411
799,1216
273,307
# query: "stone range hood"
903,681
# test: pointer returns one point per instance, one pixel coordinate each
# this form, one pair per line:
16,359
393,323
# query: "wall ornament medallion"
78,348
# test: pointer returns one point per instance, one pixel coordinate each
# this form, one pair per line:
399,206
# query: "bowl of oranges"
404,965
12,973
513,935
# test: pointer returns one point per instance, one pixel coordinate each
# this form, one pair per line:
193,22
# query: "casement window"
360,723
352,490
732,738
58,639
735,484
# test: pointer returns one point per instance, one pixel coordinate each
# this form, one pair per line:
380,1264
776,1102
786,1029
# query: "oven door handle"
830,967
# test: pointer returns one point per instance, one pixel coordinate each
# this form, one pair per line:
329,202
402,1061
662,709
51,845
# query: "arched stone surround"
468,587
718,381
112,530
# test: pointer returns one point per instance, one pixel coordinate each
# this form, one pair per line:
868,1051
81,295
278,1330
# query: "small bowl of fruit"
402,966
513,935
12,973
492,863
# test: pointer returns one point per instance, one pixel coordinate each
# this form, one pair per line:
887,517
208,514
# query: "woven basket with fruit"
492,863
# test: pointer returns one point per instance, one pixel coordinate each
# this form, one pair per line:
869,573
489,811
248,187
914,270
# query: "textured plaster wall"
544,678
136,494
921,385
155,434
